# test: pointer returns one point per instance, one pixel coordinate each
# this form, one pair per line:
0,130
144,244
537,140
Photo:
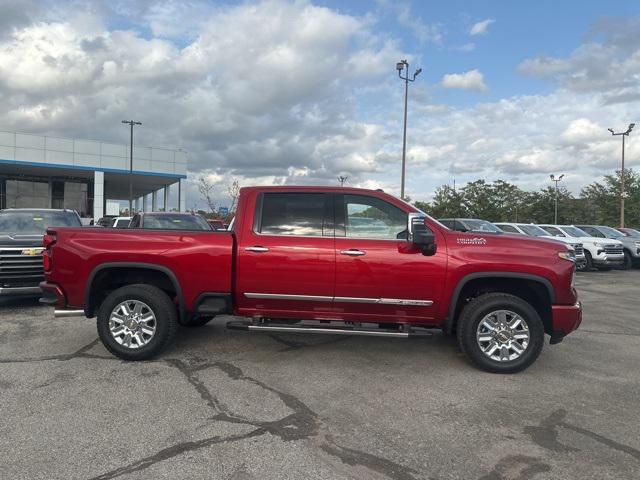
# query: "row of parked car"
163,221
594,246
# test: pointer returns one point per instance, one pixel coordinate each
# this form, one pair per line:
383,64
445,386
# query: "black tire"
196,321
166,321
475,311
628,261
589,266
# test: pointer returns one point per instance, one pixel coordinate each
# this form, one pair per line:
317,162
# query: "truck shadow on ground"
18,302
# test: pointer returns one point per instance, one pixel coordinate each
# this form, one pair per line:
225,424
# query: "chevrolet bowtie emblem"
32,252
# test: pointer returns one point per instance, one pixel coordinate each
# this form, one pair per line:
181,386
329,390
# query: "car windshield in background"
611,232
481,226
534,230
575,232
35,223
176,222
632,232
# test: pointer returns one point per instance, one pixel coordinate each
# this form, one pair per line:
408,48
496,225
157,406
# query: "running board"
234,325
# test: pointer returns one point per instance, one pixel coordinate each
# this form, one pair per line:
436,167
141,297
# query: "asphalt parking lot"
236,405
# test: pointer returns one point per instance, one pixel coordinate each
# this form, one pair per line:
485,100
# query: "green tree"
603,199
446,203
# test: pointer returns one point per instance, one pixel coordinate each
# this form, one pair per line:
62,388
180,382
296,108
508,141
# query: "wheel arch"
126,273
536,290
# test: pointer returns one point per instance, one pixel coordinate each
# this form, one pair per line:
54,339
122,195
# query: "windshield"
534,230
176,222
575,232
34,222
611,232
632,233
481,226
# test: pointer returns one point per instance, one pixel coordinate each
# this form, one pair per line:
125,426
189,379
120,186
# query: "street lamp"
622,134
342,179
131,123
401,66
556,179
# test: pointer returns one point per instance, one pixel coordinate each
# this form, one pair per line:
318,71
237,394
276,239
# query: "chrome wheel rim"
132,324
503,335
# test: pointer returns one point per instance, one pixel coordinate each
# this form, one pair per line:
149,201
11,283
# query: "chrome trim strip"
68,313
280,296
320,298
385,301
332,331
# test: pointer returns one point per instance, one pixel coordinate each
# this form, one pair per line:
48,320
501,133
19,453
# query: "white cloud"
307,95
471,80
480,28
424,32
610,67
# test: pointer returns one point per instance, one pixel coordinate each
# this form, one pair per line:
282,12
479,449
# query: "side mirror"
420,235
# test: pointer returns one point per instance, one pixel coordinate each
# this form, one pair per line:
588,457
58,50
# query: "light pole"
342,179
556,179
401,66
131,123
622,134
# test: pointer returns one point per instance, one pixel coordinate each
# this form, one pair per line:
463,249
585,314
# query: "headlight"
599,244
637,244
568,255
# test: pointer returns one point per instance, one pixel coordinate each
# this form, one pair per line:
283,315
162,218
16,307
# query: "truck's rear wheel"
500,333
137,322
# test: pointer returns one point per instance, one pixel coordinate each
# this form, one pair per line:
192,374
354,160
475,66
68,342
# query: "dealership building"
49,172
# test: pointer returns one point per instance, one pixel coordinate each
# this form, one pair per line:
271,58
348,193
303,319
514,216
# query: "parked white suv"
535,231
599,252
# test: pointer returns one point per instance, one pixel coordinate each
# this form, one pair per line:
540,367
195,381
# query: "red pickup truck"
319,260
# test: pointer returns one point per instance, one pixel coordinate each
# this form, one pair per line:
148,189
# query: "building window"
75,197
26,194
57,194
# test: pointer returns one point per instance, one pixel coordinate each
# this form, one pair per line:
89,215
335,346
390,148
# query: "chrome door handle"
257,248
352,252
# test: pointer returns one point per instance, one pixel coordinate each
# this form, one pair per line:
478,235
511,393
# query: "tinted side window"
593,232
370,217
508,228
554,231
292,214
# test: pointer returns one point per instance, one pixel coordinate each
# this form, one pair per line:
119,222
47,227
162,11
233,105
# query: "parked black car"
21,231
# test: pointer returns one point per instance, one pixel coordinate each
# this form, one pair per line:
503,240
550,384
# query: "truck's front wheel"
500,333
137,322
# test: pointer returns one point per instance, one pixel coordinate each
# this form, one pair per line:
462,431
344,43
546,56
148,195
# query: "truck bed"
199,261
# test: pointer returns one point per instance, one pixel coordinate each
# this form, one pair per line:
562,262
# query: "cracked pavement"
233,405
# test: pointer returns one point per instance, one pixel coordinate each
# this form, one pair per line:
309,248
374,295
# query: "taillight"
47,241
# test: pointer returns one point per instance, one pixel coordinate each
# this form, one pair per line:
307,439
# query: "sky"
301,92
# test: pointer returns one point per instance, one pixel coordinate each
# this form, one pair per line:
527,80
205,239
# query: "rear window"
175,222
35,223
292,214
